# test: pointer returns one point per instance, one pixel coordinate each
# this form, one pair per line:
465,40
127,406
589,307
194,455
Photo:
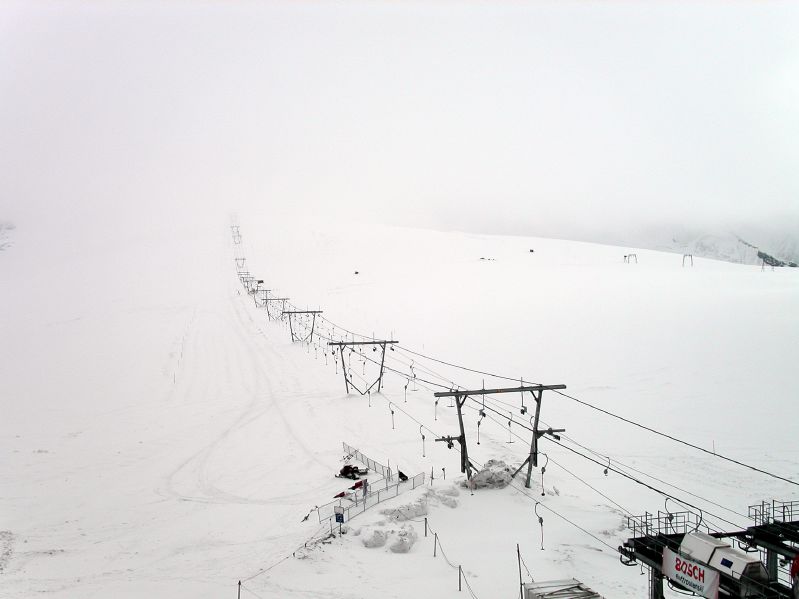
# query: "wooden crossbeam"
537,392
530,388
349,383
378,342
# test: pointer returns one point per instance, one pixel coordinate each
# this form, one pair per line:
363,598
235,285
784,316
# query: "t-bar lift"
460,399
348,382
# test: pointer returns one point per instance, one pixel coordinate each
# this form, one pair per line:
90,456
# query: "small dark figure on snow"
402,476
349,471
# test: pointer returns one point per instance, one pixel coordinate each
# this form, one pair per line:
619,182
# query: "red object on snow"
342,494
357,485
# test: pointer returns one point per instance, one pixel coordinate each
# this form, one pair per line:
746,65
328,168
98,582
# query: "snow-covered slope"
739,244
162,438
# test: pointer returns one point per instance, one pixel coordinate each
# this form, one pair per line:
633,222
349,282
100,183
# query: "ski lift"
524,407
543,471
540,523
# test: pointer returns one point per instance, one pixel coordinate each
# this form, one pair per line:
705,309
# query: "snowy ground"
161,438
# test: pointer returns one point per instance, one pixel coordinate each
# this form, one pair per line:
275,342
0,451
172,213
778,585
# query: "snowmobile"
352,472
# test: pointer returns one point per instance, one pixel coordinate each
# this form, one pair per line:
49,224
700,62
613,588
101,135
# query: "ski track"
190,480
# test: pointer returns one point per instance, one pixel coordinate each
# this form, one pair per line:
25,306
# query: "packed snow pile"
494,475
377,538
402,537
5,228
447,496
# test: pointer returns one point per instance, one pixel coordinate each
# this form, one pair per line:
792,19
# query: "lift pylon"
348,382
460,399
294,313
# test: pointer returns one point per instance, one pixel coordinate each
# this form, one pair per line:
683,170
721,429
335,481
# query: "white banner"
694,576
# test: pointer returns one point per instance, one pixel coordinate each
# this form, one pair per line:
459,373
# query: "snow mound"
402,539
494,475
448,496
405,539
376,539
420,507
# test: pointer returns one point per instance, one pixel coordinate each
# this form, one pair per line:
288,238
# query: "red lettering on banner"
701,579
691,570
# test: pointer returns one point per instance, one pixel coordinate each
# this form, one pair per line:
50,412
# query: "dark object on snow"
357,485
769,260
356,272
402,476
350,471
532,251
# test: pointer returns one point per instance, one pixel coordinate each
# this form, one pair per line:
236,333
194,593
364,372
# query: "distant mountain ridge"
741,246
5,228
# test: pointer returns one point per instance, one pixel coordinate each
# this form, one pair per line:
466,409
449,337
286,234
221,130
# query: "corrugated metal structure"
559,589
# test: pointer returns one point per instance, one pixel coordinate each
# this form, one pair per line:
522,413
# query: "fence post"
460,571
435,543
425,526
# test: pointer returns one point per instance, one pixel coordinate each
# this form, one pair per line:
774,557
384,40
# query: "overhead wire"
562,467
626,475
620,472
613,415
623,465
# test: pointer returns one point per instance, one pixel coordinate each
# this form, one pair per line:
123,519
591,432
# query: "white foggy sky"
551,118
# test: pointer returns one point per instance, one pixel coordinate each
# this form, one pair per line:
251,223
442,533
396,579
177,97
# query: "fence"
369,463
438,548
378,491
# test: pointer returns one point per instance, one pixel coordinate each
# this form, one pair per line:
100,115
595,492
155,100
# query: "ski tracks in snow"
256,379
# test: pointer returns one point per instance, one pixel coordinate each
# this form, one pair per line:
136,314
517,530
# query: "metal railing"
368,462
376,491
765,513
357,505
665,523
